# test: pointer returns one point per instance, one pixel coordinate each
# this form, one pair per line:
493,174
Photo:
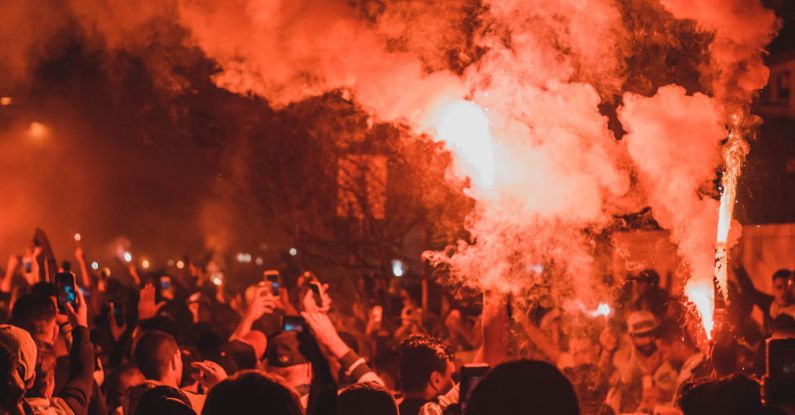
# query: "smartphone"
471,374
271,277
66,290
315,287
118,313
293,323
166,288
781,358
28,266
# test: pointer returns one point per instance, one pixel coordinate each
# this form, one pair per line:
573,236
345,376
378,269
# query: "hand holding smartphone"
66,291
271,278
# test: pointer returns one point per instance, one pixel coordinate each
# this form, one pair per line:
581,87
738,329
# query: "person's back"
250,391
733,395
523,387
366,398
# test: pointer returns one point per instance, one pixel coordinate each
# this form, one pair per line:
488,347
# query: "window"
782,86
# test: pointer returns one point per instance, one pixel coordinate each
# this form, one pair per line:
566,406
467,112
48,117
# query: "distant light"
217,280
170,262
180,264
95,265
293,252
538,268
258,261
243,257
127,256
6,101
37,130
145,264
398,269
78,237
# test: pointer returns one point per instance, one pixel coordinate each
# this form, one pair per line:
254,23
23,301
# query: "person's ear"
436,380
176,359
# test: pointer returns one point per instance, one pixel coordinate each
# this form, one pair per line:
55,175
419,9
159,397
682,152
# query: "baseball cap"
20,342
641,322
284,350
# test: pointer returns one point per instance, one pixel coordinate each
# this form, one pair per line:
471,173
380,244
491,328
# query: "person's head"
36,313
366,398
22,346
642,328
285,359
249,389
426,366
644,281
163,400
44,383
782,286
733,395
12,385
157,355
119,381
523,387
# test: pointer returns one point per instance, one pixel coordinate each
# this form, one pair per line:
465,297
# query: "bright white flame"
603,309
37,130
293,252
127,256
145,264
464,126
78,237
95,265
702,294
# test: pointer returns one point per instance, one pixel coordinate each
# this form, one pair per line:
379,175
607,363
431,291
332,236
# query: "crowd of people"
181,341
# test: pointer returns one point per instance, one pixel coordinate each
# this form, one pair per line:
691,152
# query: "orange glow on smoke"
464,126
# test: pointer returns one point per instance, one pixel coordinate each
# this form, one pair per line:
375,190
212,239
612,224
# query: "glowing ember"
702,295
464,126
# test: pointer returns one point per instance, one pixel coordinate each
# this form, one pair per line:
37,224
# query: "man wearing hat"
635,365
284,358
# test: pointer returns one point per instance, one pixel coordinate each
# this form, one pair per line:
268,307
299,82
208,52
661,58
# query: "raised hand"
147,308
209,373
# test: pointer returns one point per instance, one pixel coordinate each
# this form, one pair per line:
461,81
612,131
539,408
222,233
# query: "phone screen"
471,375
272,279
293,323
315,286
66,290
166,288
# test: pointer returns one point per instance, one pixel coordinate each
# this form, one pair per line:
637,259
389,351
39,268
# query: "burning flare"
464,127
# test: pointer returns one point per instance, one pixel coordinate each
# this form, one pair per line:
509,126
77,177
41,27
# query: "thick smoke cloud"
539,70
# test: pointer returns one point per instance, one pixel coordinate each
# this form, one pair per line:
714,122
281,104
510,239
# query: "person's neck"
169,380
426,394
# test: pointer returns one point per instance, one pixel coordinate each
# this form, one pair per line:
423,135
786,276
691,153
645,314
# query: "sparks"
734,153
